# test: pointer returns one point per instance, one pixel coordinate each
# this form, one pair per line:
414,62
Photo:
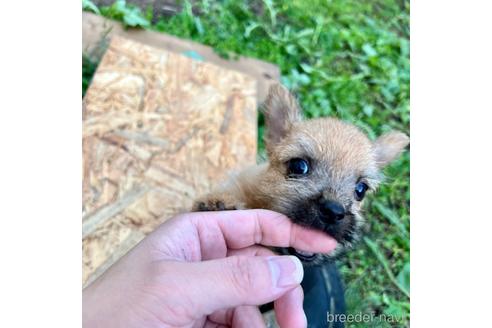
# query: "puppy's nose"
333,211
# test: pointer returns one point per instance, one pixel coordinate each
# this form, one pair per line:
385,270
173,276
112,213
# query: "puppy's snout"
333,211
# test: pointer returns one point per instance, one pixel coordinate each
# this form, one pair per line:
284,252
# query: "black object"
323,295
333,211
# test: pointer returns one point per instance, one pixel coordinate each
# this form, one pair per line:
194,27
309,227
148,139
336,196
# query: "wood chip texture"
159,129
97,32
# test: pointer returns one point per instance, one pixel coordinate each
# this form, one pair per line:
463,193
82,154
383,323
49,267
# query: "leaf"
403,277
368,110
303,79
291,49
250,28
392,217
131,16
404,47
90,6
319,27
307,68
188,8
305,32
271,11
198,25
369,50
134,18
396,310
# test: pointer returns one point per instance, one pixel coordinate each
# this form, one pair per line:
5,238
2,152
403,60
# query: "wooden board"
159,129
97,30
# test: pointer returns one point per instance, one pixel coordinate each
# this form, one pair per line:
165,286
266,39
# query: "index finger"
245,228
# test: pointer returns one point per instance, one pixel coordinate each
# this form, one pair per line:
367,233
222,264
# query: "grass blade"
382,259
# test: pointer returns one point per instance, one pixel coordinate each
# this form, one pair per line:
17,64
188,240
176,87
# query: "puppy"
318,174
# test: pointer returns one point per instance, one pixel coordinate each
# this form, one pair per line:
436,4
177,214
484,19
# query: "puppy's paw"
216,204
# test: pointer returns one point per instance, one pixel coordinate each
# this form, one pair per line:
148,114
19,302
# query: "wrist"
99,309
90,316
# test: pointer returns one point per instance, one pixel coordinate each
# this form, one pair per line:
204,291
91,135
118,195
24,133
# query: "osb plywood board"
97,30
159,129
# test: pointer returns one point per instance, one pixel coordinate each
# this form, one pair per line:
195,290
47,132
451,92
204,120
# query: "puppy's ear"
281,111
389,146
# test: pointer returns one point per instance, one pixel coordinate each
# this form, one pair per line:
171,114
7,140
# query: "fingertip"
330,243
289,310
313,240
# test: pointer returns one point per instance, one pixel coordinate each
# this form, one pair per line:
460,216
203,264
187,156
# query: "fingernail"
285,270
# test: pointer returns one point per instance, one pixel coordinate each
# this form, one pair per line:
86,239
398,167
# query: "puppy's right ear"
389,146
281,112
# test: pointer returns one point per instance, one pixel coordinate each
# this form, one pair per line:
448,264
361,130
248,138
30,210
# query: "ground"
343,58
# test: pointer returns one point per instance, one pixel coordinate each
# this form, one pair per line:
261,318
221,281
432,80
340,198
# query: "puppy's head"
321,170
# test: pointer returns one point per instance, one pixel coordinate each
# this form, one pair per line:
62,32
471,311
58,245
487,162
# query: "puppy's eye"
360,190
298,166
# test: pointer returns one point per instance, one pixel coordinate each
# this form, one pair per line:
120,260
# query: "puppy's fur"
339,155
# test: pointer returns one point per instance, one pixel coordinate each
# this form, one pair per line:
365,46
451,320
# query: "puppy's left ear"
281,111
389,146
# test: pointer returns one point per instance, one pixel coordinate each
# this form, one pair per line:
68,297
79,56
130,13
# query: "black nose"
333,211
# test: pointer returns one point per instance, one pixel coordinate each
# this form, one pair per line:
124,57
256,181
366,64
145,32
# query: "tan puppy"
318,173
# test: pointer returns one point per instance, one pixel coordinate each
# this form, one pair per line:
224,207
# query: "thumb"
243,280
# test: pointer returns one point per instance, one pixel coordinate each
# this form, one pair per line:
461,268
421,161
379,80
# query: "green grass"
343,58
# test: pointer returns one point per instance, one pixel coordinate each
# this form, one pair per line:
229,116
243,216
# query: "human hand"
206,269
